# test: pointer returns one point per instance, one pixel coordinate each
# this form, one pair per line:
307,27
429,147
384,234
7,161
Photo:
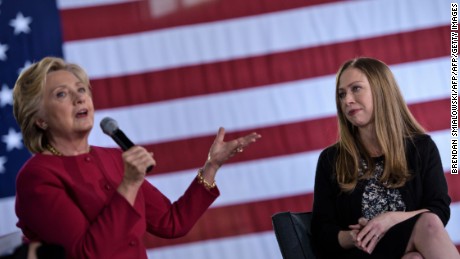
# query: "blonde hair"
394,124
28,96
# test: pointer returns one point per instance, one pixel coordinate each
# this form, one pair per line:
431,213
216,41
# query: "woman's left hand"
373,230
221,151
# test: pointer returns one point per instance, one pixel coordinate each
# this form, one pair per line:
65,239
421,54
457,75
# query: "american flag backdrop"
172,71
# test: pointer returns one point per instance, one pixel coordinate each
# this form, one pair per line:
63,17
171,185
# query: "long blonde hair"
28,95
394,124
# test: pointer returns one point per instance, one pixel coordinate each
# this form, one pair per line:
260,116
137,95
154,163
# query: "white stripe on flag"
442,140
69,4
259,107
251,36
260,245
255,180
454,222
9,219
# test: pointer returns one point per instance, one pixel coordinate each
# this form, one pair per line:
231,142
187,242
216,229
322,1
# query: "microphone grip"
125,143
120,138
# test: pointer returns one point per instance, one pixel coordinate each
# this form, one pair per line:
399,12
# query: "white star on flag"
3,49
6,96
26,65
2,164
21,24
12,140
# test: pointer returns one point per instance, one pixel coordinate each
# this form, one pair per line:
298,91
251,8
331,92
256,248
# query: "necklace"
53,150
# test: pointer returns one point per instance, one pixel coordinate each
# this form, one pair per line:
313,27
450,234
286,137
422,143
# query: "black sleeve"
435,195
325,227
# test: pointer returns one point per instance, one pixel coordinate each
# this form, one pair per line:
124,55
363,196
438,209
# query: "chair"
293,233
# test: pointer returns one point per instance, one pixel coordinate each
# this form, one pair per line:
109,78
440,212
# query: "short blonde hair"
28,96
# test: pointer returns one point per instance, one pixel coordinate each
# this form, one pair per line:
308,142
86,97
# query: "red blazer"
73,202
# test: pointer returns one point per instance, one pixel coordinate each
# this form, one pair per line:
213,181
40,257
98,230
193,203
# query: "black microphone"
110,127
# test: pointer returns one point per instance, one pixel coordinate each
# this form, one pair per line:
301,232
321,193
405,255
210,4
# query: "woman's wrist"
206,183
211,166
206,174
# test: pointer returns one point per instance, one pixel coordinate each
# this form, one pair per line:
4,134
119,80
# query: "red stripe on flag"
265,70
283,139
241,219
432,120
453,181
280,140
132,17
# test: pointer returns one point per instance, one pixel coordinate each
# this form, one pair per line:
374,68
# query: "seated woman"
380,191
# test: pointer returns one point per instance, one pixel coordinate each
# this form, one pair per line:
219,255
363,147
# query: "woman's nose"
349,99
79,97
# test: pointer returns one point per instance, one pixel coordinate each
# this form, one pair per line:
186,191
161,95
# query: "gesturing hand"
221,151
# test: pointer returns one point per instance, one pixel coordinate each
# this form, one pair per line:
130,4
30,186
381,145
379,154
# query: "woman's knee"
429,224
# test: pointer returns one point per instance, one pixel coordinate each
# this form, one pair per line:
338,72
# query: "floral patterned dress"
377,198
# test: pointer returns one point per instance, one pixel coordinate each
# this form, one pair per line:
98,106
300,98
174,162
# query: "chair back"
293,233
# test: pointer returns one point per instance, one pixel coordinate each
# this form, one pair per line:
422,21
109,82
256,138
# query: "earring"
44,126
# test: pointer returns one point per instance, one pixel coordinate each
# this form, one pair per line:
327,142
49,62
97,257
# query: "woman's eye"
356,88
341,95
60,94
82,89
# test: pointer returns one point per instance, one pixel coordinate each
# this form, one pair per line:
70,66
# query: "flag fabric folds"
171,72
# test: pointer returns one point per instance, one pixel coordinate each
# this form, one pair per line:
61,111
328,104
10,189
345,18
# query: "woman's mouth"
353,112
82,113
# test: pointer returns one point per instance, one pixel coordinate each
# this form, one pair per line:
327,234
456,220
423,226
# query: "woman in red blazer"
91,200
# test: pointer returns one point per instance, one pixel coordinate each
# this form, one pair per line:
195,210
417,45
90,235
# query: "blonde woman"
380,191
94,201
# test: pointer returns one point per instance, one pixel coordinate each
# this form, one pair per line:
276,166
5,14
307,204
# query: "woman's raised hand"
221,151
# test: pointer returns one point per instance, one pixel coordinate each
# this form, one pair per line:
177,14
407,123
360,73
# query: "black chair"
293,233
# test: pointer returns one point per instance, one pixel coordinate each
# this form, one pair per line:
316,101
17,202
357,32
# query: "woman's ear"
41,124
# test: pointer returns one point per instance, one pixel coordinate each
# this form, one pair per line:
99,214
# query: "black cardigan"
334,210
